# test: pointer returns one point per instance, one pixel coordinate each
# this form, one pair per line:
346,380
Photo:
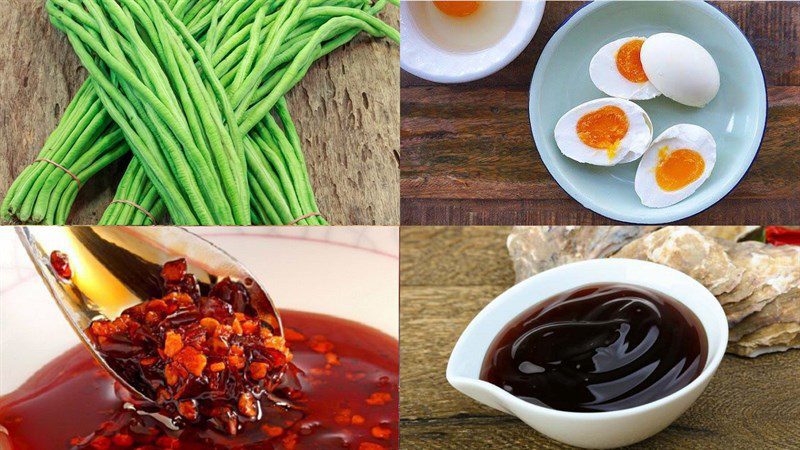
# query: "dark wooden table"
346,110
468,156
449,274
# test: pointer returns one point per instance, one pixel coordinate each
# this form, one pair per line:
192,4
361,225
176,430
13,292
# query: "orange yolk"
456,8
679,168
603,129
629,63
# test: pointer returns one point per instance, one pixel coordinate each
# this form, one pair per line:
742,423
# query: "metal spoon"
114,268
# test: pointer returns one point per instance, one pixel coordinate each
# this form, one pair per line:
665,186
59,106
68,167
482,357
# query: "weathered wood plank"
474,256
565,210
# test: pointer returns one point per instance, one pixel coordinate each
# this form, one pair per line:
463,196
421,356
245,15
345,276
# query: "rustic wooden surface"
346,110
468,156
449,274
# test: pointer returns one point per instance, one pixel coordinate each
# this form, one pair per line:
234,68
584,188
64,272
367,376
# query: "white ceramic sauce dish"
595,429
421,57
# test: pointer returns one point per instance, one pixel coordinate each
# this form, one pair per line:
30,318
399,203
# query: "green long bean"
307,195
238,56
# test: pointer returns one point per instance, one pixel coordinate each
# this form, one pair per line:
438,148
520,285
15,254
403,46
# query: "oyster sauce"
603,347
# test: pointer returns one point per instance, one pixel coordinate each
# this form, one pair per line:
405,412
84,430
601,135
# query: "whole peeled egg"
680,68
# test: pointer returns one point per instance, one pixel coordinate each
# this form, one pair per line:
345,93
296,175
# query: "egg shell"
632,146
680,68
676,137
605,75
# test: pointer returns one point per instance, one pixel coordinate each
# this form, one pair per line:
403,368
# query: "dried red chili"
200,358
60,263
782,235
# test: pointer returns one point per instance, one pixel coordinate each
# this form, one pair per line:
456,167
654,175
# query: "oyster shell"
742,255
784,308
689,251
772,271
727,233
536,249
773,329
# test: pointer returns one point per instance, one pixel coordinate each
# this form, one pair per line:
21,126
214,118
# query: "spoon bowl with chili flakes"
177,321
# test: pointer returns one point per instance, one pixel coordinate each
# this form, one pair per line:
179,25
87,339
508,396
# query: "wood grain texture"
468,155
346,110
449,274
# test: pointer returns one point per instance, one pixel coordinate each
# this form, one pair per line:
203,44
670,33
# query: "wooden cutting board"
469,156
449,274
346,110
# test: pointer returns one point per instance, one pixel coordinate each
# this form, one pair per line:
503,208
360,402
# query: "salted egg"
677,162
464,26
604,132
680,68
616,69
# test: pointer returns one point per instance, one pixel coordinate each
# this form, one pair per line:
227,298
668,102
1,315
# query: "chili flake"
199,357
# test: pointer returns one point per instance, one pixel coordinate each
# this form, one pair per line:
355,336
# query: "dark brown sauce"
598,348
349,385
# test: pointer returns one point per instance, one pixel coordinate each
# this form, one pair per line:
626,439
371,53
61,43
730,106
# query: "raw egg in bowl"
735,115
458,41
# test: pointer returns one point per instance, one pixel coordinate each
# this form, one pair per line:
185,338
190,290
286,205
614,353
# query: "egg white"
680,68
605,75
676,137
631,147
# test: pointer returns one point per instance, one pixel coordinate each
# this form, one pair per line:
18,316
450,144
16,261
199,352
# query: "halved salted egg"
604,132
616,69
677,162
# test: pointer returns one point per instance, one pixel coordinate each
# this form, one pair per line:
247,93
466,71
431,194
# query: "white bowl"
425,60
597,429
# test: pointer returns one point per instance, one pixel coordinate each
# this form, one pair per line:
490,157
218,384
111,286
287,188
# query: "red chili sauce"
332,384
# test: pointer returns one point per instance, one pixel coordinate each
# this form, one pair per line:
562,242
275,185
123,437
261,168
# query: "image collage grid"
399,224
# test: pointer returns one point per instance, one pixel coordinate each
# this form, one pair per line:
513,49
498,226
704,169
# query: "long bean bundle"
225,66
184,135
297,199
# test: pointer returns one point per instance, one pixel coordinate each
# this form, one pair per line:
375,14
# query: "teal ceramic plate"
736,117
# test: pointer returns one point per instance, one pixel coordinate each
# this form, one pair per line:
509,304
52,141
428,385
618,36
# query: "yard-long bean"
221,128
256,198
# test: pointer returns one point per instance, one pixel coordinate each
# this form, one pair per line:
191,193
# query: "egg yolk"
629,62
603,129
457,8
678,169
